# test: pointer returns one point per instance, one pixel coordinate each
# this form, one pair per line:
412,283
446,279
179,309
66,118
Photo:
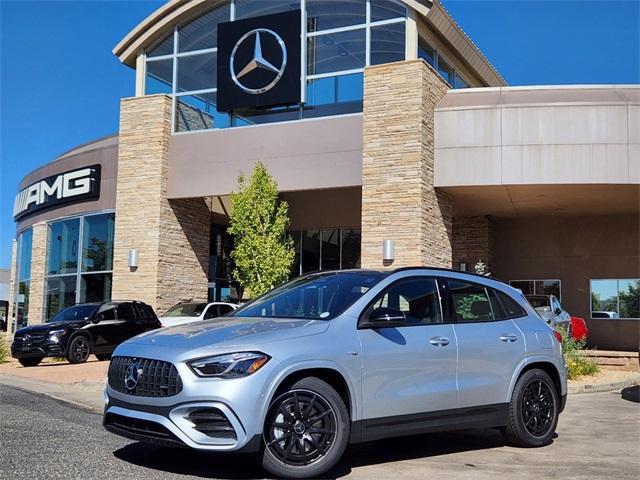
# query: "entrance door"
409,370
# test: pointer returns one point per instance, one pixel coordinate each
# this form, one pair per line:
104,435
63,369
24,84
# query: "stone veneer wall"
399,201
171,237
38,269
473,240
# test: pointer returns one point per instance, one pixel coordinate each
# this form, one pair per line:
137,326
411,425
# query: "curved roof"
154,28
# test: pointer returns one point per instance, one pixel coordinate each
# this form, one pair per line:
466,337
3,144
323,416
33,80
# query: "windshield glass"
186,310
539,302
314,297
77,312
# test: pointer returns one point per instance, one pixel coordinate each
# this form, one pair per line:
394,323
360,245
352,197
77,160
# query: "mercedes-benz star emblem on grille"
257,61
131,376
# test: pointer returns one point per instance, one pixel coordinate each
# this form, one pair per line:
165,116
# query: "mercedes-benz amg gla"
334,358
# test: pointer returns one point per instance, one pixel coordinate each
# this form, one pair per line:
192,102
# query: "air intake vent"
212,423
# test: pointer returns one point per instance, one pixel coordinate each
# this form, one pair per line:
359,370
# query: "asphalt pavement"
598,438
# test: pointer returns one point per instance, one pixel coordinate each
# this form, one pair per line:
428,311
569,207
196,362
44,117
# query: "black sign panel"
259,62
69,187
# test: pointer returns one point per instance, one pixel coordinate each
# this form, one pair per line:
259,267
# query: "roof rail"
442,269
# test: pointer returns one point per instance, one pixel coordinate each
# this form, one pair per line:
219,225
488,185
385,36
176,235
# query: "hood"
177,320
230,331
46,327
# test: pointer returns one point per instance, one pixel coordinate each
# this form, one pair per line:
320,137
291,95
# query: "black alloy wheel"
79,350
301,427
306,430
538,408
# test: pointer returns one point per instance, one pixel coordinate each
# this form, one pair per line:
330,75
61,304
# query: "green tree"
630,300
263,253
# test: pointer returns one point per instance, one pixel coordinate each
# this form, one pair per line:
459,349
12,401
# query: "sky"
60,85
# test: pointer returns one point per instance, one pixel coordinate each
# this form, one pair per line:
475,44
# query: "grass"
578,365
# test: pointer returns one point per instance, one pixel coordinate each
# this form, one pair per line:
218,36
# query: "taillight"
558,336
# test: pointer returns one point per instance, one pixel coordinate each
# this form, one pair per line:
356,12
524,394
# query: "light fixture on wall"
463,266
388,251
133,258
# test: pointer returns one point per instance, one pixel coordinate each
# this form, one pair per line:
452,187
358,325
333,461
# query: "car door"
409,369
490,346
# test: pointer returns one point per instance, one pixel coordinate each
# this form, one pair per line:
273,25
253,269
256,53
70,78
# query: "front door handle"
439,341
508,338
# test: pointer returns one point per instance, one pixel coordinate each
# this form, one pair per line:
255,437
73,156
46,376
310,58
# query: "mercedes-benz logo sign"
131,376
257,61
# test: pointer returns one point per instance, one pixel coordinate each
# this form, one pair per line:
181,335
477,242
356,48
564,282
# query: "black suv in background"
80,330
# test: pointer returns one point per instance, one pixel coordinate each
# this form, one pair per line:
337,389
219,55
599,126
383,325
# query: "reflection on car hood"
45,327
230,331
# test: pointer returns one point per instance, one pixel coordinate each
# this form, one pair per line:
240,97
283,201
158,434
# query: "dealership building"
382,123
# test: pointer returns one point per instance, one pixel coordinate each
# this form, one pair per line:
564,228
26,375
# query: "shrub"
578,365
4,350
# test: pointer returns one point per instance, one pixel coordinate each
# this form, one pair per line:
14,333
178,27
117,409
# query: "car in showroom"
81,330
188,312
333,358
550,309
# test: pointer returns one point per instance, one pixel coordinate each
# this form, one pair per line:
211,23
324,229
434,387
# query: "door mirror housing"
98,318
383,317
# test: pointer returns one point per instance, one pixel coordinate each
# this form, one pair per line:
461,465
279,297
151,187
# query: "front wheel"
79,350
533,410
306,431
30,362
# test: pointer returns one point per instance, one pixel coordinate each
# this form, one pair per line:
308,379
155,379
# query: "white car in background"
189,312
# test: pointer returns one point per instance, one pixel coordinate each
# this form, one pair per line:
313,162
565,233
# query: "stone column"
12,285
399,201
38,270
171,237
473,240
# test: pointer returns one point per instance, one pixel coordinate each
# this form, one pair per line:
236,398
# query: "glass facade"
444,68
79,261
21,300
341,37
615,298
325,249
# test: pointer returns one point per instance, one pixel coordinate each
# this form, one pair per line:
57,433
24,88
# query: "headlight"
232,365
57,333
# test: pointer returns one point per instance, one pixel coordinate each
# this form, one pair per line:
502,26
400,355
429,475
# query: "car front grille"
29,339
155,378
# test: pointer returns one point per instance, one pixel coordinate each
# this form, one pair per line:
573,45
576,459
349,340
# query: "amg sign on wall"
64,188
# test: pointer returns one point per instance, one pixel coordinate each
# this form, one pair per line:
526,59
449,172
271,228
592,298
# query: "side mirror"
557,311
98,318
386,318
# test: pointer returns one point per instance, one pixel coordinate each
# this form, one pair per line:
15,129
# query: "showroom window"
615,298
326,249
538,287
79,261
23,259
444,67
342,37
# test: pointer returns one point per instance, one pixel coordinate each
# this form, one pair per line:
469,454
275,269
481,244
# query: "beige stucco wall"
38,269
538,135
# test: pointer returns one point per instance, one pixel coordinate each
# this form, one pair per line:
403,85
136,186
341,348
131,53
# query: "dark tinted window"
212,312
107,312
224,309
505,307
470,302
125,312
78,312
417,298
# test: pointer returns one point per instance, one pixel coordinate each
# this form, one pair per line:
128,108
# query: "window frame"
362,323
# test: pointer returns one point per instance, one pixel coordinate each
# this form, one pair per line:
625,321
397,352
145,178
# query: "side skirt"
484,416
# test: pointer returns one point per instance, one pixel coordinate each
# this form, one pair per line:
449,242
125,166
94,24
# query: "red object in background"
579,330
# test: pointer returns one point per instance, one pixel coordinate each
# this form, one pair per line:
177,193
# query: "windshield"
77,312
186,310
314,297
539,302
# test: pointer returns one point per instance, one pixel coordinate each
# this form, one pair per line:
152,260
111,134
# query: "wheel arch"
80,332
545,365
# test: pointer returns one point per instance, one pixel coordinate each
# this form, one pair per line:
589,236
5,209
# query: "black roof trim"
441,269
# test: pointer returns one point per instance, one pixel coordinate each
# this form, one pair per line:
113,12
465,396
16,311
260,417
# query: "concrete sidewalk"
83,384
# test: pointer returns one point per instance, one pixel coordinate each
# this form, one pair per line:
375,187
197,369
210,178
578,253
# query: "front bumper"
42,348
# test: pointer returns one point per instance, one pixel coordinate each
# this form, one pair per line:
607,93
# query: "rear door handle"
439,341
508,338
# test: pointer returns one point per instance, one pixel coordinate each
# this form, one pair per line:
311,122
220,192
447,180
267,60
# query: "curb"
604,387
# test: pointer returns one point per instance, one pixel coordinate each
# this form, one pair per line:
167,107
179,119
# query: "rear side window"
470,302
510,306
125,312
145,311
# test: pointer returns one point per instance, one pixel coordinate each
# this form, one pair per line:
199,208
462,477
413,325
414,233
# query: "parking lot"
598,437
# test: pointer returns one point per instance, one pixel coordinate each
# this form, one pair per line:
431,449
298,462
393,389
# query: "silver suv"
335,358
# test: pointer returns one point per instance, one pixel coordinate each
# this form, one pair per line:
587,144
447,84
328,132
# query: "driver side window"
212,312
106,312
417,298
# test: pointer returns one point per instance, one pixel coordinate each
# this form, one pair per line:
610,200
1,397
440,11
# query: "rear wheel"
79,349
30,362
306,430
533,410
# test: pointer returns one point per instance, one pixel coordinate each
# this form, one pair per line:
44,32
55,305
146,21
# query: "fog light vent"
212,423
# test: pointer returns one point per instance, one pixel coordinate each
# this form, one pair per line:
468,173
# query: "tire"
30,362
79,349
323,441
533,410
103,356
